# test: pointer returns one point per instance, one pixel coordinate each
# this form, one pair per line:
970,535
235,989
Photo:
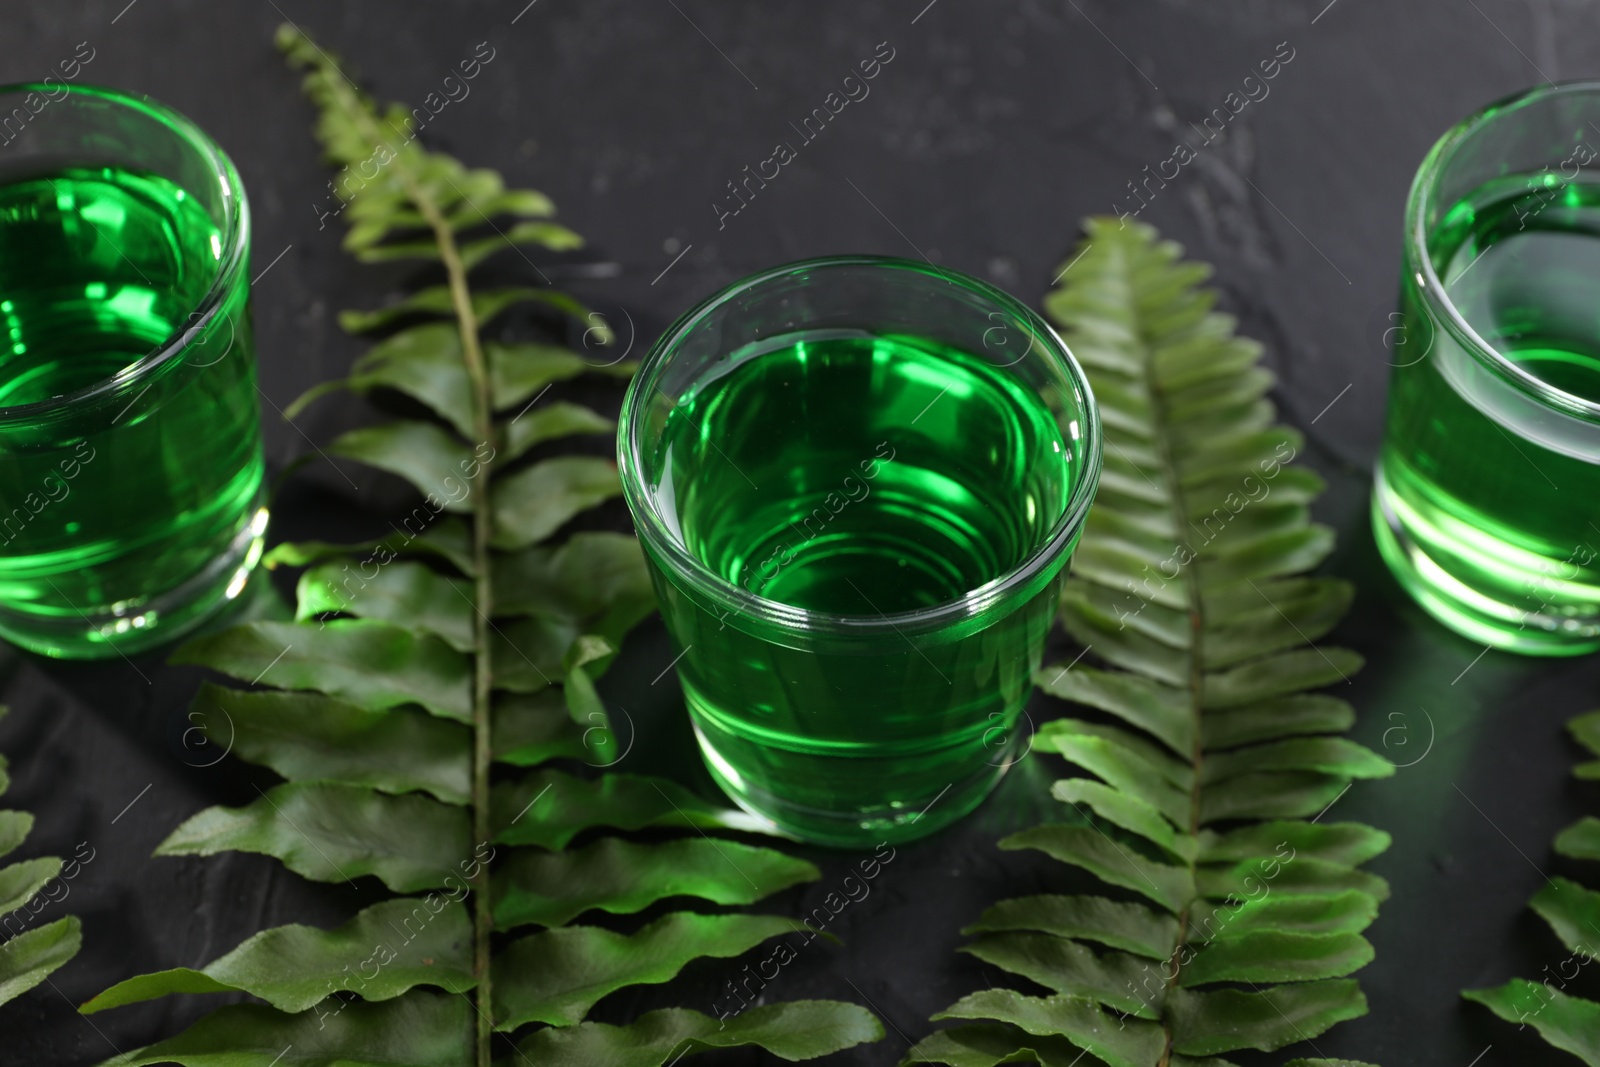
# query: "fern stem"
483,601
483,590
1191,585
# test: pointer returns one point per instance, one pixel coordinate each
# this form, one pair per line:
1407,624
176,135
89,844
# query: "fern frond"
31,951
1230,914
418,663
1568,1022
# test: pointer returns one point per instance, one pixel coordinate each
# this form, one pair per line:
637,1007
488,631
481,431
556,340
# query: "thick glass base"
1434,561
132,627
858,825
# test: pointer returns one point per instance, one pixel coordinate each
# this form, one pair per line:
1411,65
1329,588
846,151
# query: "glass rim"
974,602
1420,199
235,240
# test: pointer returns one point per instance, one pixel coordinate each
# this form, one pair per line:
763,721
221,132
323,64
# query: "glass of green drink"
1486,502
130,445
857,481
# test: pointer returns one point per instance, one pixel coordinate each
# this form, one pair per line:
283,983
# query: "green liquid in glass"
119,525
1497,516
867,476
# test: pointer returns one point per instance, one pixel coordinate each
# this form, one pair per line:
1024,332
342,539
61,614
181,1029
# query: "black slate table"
995,127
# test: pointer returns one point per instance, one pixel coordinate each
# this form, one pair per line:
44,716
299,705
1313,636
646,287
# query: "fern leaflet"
1568,1022
1228,914
464,640
27,889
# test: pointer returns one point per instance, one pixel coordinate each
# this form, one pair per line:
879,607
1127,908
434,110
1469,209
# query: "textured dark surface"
995,127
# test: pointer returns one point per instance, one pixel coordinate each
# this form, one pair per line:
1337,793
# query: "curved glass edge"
237,247
1419,269
1013,587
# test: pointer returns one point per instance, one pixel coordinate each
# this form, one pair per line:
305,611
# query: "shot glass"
130,445
1484,502
857,481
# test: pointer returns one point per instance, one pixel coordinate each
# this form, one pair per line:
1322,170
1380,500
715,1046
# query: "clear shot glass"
857,481
1485,496
130,445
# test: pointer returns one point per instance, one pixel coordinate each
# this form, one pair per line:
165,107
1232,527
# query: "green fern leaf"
556,976
526,654
406,942
1277,956
1348,911
30,956
465,638
33,955
622,877
563,806
1225,1020
1571,1024
551,422
373,665
445,538
21,882
1581,840
597,582
424,454
309,737
1116,924
335,832
1585,730
402,594
797,1030
534,728
1065,966
545,234
437,301
555,237
14,829
537,501
1573,912
989,1045
1118,1042
519,371
415,1030
1205,757
425,363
